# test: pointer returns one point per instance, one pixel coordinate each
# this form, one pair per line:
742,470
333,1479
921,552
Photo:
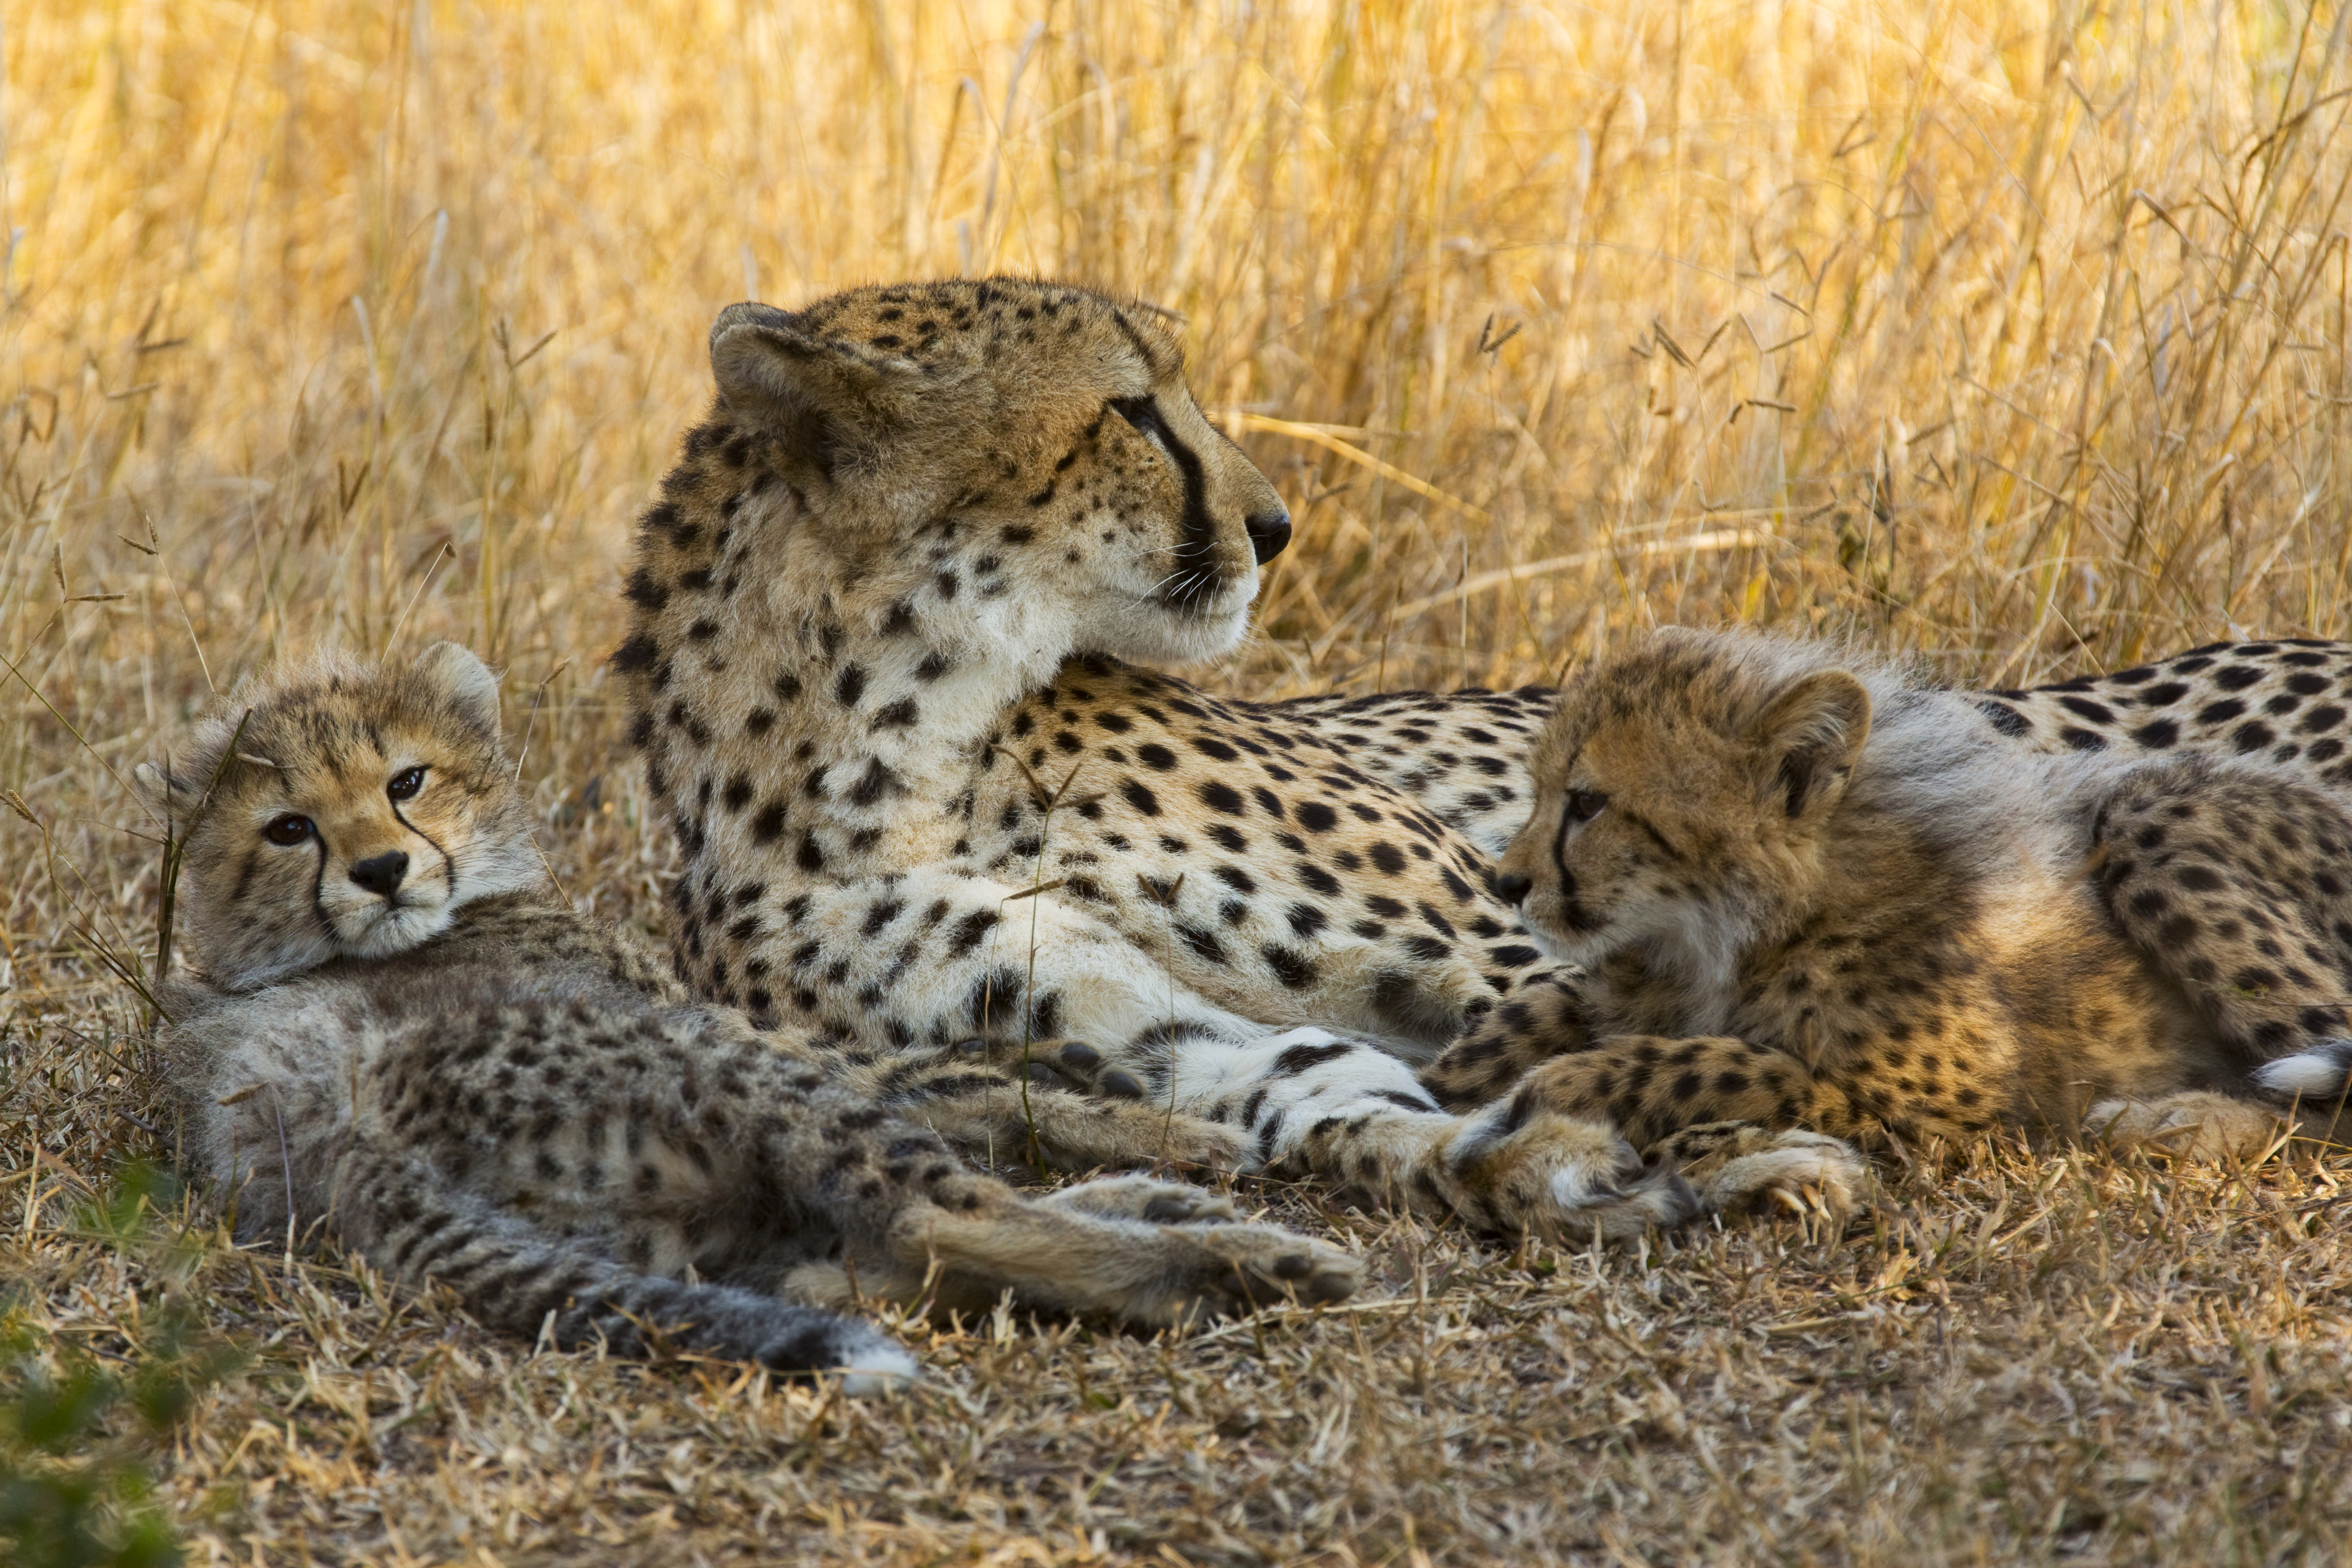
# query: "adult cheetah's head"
340,810
1005,446
1683,789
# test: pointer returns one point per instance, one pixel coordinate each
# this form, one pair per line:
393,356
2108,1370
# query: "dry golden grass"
2016,335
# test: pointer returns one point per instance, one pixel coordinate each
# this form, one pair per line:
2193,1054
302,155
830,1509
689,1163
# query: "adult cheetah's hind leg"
1127,1248
2240,887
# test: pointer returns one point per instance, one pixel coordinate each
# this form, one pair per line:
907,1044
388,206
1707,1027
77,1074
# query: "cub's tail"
517,1278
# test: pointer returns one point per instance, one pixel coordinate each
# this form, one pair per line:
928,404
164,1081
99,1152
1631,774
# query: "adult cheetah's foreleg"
2239,888
1008,1116
1349,1114
933,958
970,1001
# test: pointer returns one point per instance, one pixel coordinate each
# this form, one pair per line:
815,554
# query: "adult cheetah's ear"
456,678
822,400
1808,738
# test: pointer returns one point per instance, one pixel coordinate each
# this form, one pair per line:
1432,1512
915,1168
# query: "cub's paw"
1736,1165
1079,1066
1057,1064
1143,1198
1225,1270
1128,1133
2194,1124
1561,1176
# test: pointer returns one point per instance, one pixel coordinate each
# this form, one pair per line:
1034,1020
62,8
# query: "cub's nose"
1512,889
380,874
1269,531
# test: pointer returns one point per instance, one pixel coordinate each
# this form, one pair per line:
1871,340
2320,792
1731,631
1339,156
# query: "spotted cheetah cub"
398,1028
1812,891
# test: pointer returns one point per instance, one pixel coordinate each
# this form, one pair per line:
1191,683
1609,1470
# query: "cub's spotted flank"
397,1028
881,615
1810,890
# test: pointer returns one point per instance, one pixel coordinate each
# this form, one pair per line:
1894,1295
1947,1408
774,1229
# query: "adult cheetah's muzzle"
1269,531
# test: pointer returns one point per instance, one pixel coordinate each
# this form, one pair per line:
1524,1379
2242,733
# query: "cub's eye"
1584,805
405,783
1141,413
288,829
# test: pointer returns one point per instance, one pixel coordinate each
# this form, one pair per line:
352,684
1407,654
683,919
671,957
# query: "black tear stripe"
1196,546
318,884
448,863
1559,849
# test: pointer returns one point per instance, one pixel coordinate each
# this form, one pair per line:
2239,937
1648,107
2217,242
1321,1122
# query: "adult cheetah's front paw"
1736,1164
1564,1177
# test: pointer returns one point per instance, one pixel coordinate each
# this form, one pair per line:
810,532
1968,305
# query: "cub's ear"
1808,738
830,403
155,787
454,676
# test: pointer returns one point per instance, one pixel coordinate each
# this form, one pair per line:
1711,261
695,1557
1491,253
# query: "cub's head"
1683,788
340,810
1019,458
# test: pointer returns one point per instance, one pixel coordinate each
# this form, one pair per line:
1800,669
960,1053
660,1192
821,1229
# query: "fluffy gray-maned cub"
397,1026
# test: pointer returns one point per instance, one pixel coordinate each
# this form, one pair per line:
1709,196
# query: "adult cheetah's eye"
1584,805
288,829
1143,414
405,783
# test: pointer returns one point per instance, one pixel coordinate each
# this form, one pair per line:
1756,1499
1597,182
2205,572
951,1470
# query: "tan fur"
1809,892
472,1084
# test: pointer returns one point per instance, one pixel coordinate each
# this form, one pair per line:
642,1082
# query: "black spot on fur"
2005,719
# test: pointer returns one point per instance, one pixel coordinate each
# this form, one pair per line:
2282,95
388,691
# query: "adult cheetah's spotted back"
2280,704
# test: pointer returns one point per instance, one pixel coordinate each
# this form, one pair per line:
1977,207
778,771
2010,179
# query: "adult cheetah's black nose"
1512,889
380,874
1268,530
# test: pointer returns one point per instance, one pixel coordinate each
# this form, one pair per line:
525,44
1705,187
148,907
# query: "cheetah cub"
397,1028
1813,893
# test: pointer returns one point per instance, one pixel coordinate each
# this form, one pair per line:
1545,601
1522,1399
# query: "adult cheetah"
399,1030
1811,891
882,612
